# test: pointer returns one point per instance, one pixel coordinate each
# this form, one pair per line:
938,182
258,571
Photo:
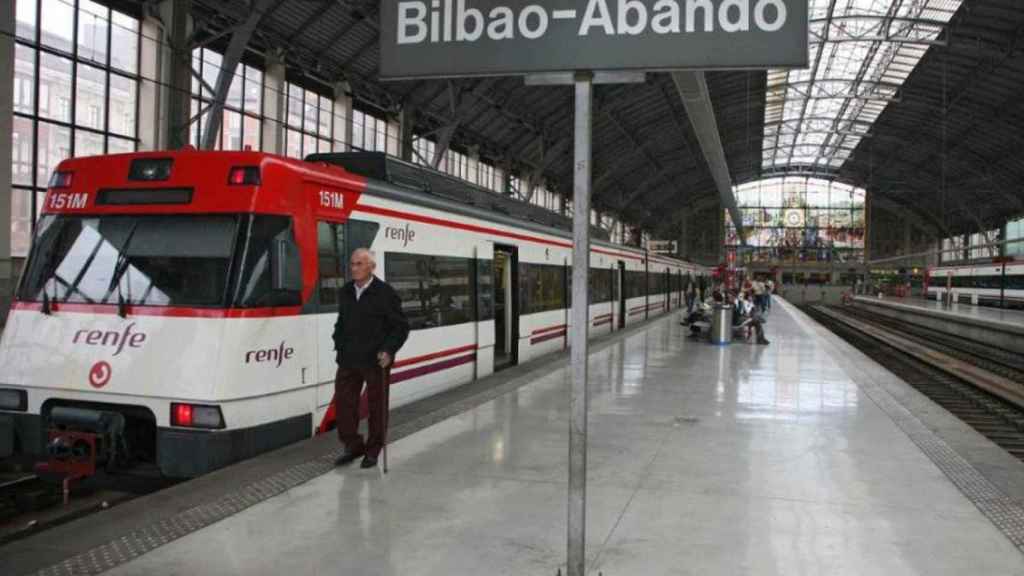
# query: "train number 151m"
330,199
68,201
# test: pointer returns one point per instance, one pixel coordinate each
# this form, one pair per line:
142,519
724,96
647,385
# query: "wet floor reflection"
702,460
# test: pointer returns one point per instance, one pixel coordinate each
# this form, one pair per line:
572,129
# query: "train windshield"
141,260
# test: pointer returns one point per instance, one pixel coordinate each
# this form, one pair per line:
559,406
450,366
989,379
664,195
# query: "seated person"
746,314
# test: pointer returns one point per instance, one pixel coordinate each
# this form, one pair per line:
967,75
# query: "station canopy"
917,101
862,51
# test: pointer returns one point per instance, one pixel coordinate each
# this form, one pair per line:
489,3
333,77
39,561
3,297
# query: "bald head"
361,265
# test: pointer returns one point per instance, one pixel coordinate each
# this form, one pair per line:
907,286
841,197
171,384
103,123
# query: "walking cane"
385,382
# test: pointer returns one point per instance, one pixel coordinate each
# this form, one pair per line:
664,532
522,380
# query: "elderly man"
370,329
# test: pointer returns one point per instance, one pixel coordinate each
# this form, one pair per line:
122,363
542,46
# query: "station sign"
453,38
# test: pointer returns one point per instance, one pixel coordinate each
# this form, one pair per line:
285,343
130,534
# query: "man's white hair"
365,252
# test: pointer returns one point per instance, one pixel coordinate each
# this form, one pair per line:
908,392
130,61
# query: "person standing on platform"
769,290
370,330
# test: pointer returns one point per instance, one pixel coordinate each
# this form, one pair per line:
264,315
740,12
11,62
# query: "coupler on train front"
80,441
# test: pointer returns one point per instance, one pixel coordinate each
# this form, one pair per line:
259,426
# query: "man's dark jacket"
374,323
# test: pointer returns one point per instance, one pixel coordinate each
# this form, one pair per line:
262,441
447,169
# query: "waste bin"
721,324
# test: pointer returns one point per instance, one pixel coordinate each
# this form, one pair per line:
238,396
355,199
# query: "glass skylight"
861,52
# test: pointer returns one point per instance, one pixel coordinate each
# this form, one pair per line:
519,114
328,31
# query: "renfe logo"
99,375
279,354
406,234
111,338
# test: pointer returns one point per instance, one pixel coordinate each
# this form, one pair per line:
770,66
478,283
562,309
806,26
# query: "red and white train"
996,283
177,307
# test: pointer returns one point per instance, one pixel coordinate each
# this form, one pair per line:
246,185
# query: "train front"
111,356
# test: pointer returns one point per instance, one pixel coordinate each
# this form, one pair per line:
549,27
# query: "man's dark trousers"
348,386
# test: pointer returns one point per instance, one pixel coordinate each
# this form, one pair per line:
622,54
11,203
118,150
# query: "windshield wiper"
120,267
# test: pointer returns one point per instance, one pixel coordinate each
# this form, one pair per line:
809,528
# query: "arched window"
802,219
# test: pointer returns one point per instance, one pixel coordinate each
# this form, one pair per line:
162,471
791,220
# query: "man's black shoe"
763,342
368,462
347,458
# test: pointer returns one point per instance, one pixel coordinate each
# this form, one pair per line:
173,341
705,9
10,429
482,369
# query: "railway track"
30,503
995,360
986,393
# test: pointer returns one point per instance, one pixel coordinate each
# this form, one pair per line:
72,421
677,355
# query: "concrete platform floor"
1009,317
703,460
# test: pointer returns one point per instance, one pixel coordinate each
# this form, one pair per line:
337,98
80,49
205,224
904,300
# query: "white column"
394,137
274,106
154,88
343,114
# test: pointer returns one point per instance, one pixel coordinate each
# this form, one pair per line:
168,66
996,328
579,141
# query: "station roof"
917,100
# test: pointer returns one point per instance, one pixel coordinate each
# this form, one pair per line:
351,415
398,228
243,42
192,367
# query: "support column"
473,152
177,20
153,89
578,328
274,106
406,123
6,128
393,136
683,250
343,113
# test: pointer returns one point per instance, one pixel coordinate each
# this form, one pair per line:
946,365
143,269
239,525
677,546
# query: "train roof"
380,166
376,173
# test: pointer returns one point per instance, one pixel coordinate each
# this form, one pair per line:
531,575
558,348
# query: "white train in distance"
178,312
982,283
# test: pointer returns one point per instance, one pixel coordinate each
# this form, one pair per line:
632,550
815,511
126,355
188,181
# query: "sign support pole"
577,524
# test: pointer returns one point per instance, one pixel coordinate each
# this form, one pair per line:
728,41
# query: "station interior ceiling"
946,145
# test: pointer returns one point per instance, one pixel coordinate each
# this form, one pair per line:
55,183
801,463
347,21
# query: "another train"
994,283
177,307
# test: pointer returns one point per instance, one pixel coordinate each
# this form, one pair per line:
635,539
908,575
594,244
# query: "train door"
332,272
680,297
506,312
335,243
621,280
667,290
485,289
613,294
647,290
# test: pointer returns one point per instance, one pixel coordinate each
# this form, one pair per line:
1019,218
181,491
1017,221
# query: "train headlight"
196,416
12,399
150,169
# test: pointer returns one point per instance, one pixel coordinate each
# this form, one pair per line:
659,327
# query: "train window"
357,234
335,245
600,285
542,287
485,290
435,290
331,269
144,260
636,284
255,288
1014,281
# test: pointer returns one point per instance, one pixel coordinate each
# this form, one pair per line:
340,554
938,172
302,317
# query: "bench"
743,331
